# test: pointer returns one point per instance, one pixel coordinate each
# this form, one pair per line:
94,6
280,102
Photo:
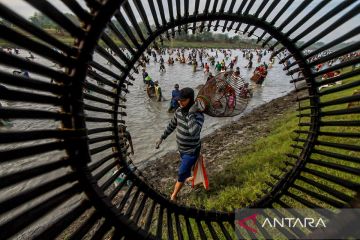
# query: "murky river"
146,119
149,118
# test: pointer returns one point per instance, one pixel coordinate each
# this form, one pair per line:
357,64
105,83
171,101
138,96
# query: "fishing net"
224,95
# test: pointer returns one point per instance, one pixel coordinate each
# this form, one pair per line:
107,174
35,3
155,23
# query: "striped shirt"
188,130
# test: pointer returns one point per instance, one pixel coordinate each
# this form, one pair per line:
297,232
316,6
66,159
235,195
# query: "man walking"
188,120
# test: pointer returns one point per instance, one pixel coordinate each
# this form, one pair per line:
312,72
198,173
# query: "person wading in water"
174,104
188,119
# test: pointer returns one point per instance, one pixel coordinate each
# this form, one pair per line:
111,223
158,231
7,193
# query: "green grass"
64,38
245,176
213,44
67,39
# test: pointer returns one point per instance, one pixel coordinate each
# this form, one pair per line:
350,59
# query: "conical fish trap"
225,95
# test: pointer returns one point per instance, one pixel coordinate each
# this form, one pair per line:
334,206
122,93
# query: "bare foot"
173,198
189,179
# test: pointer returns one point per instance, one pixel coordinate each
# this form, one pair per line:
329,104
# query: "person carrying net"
221,95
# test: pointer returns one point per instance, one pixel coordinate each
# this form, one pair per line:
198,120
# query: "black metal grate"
82,117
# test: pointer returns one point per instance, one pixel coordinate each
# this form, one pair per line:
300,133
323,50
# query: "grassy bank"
245,175
213,44
64,38
67,39
174,44
241,156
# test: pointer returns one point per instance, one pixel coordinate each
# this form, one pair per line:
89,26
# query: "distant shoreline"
167,44
67,39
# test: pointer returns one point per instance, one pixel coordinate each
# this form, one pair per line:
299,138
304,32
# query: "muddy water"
147,119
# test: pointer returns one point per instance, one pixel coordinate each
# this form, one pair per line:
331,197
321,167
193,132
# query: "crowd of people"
206,60
188,117
211,62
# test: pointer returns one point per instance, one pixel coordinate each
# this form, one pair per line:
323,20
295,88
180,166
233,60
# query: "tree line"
42,21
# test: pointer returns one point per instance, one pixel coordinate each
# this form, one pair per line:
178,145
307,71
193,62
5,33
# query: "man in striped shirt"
188,120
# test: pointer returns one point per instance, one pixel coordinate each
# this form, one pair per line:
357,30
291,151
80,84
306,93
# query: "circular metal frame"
79,154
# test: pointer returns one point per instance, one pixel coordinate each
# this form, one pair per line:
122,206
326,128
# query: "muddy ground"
220,147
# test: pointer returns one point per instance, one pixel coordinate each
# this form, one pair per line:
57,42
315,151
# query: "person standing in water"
162,66
144,75
249,64
175,94
207,68
237,72
218,67
194,64
158,93
188,120
161,60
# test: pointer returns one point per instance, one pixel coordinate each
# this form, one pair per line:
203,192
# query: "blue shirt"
175,97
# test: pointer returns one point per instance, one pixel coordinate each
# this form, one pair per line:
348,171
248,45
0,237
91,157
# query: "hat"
187,93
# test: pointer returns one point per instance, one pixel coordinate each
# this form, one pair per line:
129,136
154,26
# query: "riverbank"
221,148
220,44
210,44
241,156
167,44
